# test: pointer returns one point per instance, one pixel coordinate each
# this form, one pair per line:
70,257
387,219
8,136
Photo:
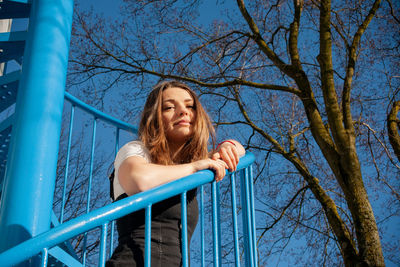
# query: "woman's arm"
136,175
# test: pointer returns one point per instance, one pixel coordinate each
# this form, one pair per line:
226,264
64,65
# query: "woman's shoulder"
133,148
133,144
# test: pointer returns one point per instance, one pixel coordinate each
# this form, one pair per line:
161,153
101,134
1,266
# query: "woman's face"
178,114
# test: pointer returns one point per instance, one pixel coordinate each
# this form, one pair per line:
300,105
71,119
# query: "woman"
174,135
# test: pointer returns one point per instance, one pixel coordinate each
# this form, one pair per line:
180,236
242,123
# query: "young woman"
174,136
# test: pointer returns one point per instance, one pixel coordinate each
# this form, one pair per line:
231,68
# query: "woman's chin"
180,137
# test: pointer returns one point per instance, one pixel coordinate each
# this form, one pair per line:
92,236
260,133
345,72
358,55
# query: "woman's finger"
226,158
231,157
216,156
236,155
220,167
234,159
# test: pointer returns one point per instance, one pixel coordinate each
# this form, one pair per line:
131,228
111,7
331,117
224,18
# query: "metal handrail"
104,215
100,115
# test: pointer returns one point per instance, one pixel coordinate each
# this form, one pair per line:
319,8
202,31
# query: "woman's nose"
183,111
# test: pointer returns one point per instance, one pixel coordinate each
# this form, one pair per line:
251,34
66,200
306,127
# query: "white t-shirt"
134,148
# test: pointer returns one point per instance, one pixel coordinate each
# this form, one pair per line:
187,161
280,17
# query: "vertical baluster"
147,240
103,245
203,262
113,222
253,214
111,244
185,259
71,122
91,165
215,222
45,257
219,224
234,219
89,185
246,216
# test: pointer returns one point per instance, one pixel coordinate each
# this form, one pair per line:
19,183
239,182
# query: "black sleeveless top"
165,233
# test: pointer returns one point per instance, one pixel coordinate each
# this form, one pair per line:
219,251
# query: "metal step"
8,89
12,45
15,9
5,137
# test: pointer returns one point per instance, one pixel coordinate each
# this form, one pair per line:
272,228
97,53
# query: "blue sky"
111,8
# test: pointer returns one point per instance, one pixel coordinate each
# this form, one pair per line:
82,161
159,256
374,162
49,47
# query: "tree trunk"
393,125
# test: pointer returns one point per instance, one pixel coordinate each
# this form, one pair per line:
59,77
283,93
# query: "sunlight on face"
178,114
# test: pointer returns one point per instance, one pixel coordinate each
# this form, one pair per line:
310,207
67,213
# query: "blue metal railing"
96,116
46,243
27,193
102,216
246,193
47,52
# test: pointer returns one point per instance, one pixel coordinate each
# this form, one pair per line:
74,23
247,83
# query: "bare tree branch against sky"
308,85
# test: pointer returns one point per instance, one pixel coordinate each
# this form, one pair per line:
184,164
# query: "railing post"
216,224
247,219
31,167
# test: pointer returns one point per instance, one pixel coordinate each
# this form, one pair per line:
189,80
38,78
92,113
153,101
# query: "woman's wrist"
225,141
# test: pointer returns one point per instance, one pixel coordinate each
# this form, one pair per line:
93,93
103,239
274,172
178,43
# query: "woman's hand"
217,165
230,152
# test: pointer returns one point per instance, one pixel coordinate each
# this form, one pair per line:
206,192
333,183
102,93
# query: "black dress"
166,247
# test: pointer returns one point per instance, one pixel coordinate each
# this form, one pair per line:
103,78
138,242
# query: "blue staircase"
32,96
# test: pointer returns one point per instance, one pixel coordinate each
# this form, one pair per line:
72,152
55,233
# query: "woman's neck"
175,149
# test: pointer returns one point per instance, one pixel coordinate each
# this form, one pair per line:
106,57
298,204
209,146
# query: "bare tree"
305,82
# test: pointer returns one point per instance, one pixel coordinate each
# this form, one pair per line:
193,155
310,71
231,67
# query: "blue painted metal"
111,244
234,220
110,212
5,136
203,261
58,257
8,89
45,257
12,50
66,246
9,78
219,223
103,245
185,247
13,36
31,167
91,165
147,245
101,115
89,190
71,123
4,125
246,217
253,213
113,222
14,9
20,1
215,222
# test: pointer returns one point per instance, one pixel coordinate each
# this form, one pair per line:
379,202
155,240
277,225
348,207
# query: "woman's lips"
183,123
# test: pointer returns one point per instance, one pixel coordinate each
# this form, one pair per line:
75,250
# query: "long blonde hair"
152,134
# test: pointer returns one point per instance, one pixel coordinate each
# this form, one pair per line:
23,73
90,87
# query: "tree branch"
352,58
261,42
393,126
294,34
327,80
